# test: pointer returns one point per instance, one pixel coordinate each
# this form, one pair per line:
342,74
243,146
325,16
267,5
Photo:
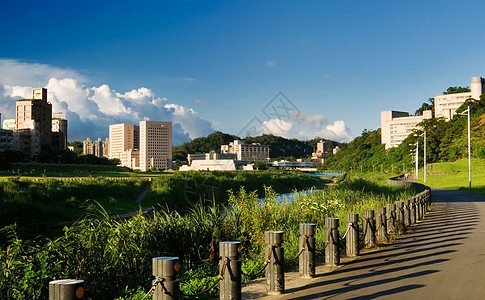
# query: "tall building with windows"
88,147
397,125
122,137
35,126
142,147
59,131
155,145
446,105
35,114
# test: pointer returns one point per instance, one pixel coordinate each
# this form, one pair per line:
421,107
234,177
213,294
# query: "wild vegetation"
113,256
44,200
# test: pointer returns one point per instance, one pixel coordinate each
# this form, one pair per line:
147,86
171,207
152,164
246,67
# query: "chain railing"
219,278
166,268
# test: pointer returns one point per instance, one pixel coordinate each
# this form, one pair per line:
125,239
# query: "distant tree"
261,165
426,106
78,147
456,90
203,144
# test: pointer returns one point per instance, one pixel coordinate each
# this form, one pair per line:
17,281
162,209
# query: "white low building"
217,165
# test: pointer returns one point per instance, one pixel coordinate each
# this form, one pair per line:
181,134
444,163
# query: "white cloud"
200,102
32,74
271,63
305,126
90,110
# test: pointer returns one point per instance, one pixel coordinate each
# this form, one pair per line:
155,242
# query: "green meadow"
454,175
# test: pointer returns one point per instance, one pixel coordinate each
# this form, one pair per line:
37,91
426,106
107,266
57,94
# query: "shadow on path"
402,270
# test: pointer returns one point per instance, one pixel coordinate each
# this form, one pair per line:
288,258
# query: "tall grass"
114,256
43,200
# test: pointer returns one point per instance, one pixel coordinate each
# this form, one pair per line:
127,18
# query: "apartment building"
35,126
247,152
397,125
446,105
35,115
88,148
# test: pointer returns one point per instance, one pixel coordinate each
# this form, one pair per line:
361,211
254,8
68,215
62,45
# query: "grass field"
454,175
59,171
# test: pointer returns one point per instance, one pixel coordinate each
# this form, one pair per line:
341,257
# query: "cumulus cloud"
305,126
90,110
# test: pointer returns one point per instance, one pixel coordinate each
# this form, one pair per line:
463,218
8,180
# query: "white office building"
397,125
446,105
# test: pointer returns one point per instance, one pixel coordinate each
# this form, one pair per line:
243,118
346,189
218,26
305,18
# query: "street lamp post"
469,149
417,158
469,153
425,157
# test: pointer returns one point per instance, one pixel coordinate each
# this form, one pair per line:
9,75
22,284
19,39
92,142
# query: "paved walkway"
444,258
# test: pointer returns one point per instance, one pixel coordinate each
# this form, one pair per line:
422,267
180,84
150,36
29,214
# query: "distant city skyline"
207,66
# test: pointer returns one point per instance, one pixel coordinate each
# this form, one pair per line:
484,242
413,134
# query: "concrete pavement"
443,258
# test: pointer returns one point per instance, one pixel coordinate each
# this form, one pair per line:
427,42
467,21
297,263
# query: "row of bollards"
377,226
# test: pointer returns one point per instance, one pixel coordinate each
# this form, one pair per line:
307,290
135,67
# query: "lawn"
454,175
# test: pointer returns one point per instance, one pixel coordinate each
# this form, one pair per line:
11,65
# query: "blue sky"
216,64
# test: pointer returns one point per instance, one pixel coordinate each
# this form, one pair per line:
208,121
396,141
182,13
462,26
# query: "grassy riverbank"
114,256
37,204
454,175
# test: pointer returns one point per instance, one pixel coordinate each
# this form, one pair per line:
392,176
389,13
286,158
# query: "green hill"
280,148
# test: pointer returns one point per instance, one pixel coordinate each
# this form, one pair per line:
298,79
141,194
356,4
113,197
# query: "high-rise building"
105,144
35,114
142,147
35,126
397,125
155,145
59,131
122,137
88,147
98,148
446,105
321,149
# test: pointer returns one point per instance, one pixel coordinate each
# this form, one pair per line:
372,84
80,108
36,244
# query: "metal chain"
219,278
152,289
